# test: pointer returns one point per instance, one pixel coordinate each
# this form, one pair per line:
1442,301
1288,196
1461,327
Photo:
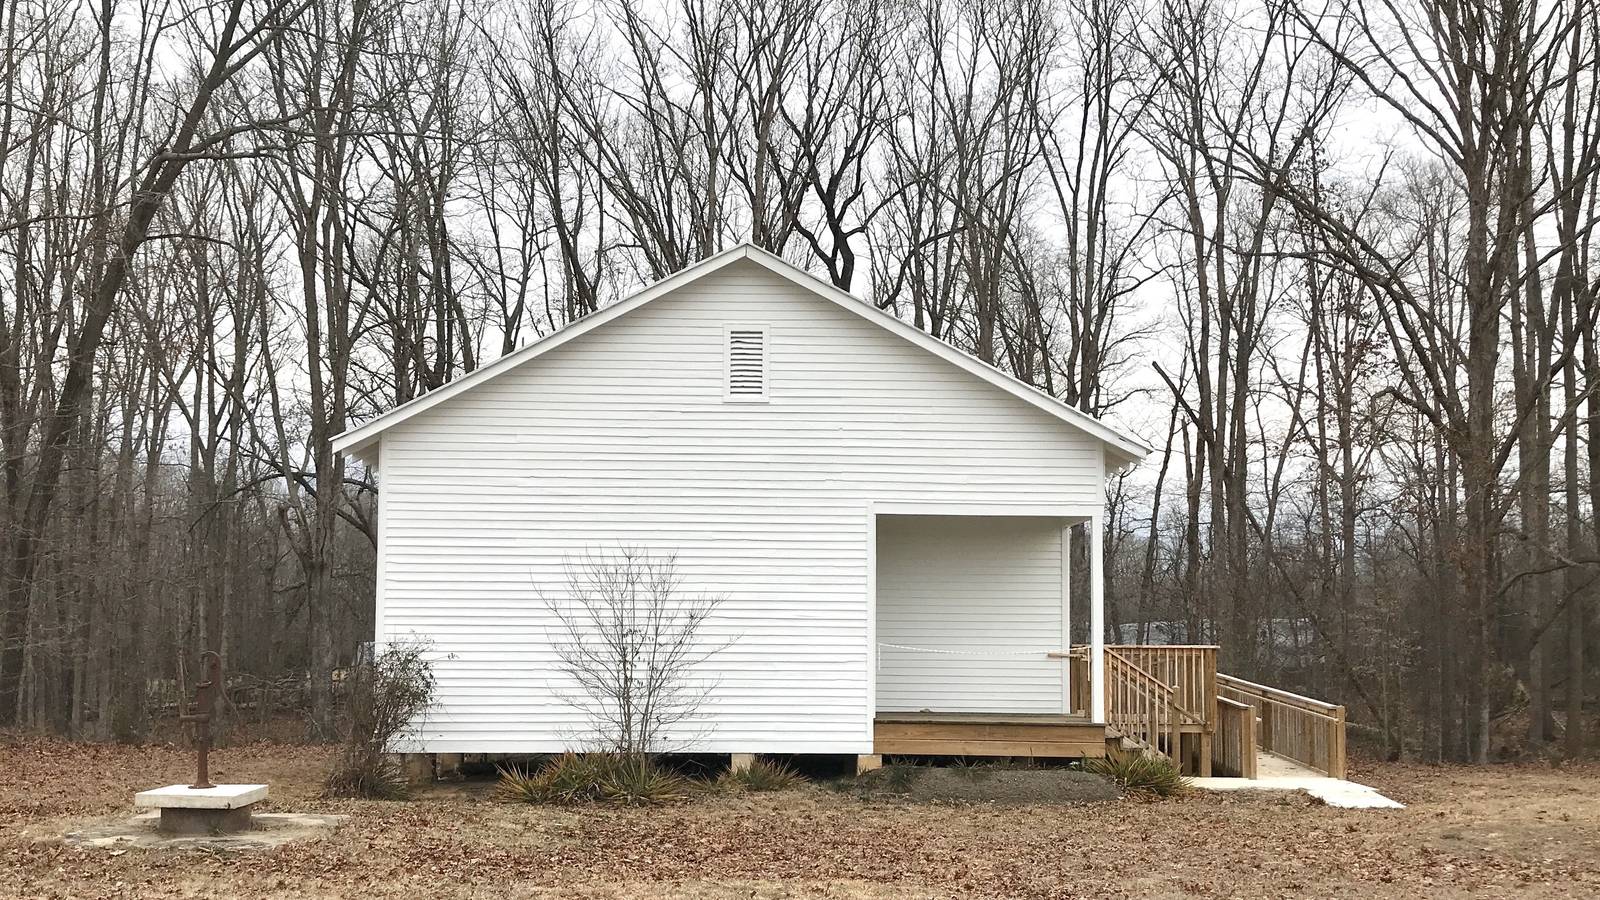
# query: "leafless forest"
1332,257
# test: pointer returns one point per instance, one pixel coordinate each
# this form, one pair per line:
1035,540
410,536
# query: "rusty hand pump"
205,696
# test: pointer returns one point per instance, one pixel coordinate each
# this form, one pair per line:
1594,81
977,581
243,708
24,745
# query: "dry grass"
1531,832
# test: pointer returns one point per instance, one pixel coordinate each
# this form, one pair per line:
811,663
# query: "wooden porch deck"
1036,736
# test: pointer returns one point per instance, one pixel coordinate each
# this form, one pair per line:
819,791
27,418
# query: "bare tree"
629,640
229,230
224,40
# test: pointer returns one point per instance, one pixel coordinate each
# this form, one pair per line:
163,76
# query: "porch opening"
972,614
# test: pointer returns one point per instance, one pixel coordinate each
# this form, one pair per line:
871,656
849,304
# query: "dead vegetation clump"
384,697
632,779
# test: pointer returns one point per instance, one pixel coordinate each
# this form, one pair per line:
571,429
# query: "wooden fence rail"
1233,752
1191,671
1307,731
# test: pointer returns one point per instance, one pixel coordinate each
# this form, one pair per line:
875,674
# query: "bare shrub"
630,640
383,698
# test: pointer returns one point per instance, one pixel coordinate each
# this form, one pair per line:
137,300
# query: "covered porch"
974,655
974,617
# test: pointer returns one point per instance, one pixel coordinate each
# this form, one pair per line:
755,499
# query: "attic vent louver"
747,362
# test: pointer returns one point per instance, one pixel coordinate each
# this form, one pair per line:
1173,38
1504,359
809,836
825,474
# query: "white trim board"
1074,514
872,622
361,441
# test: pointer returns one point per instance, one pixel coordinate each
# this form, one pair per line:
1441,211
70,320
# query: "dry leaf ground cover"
1494,832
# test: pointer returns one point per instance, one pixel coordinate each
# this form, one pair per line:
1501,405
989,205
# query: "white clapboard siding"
626,435
958,598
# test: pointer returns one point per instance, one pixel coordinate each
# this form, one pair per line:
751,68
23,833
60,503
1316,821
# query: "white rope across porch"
972,652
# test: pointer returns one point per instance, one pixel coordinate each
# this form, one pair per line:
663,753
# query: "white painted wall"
969,593
623,435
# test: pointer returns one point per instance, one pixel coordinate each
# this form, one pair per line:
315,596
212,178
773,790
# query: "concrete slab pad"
1350,795
267,830
1332,791
181,796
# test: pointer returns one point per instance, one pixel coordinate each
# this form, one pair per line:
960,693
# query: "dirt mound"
984,784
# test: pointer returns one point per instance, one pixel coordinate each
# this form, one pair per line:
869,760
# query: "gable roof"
362,439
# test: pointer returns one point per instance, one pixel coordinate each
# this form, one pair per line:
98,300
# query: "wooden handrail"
1139,706
1277,694
1154,692
1308,731
1189,669
1134,671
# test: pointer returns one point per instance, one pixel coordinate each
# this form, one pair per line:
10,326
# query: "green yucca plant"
634,780
521,786
629,779
760,775
1140,773
576,778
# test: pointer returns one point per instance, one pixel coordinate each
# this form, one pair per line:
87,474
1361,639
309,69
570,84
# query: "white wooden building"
886,517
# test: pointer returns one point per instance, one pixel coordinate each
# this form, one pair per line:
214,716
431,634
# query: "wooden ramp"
1271,765
1033,736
